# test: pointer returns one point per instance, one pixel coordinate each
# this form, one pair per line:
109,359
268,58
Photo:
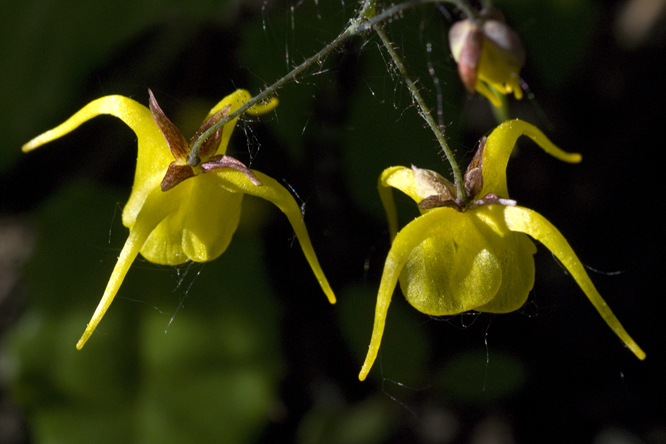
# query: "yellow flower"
488,53
177,212
454,258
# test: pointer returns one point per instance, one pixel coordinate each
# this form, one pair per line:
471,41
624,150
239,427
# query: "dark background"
252,351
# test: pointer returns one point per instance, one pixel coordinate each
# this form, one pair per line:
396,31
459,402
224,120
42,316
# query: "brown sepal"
429,183
470,55
210,145
219,162
473,179
437,201
176,173
175,139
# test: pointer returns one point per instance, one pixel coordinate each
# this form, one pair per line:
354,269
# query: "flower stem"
501,114
363,21
425,113
467,9
392,11
350,31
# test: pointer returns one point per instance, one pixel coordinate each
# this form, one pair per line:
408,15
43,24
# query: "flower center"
179,170
440,192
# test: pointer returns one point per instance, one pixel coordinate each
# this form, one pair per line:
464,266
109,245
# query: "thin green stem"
425,113
469,11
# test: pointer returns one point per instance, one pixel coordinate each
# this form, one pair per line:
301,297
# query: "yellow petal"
403,179
278,195
499,146
500,67
202,226
156,208
455,269
488,93
135,115
481,276
154,155
511,83
532,223
263,108
514,252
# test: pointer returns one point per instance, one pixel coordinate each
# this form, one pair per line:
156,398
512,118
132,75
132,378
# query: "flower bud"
488,52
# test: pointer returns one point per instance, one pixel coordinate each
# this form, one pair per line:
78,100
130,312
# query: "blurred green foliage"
175,351
245,348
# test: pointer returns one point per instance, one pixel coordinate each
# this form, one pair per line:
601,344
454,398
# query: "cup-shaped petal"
453,270
482,275
202,226
515,253
154,155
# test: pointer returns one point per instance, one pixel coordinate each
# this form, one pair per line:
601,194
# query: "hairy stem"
364,20
392,11
425,113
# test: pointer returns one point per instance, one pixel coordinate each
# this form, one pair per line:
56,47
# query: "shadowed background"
245,349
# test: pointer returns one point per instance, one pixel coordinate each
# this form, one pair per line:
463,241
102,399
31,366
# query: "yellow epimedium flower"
457,257
178,212
488,52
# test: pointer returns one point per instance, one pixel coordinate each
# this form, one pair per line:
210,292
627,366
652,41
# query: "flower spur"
457,257
179,212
